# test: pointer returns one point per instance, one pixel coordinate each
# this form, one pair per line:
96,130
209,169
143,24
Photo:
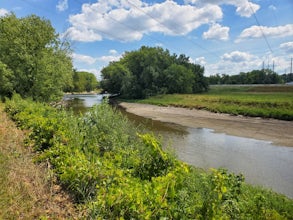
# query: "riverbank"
27,190
278,132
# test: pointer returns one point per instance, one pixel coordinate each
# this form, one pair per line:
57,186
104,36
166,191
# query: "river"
260,162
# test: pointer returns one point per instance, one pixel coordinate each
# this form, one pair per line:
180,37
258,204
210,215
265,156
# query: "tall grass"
117,172
27,190
267,102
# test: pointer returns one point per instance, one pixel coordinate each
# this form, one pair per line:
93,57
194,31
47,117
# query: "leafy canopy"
33,60
150,71
84,81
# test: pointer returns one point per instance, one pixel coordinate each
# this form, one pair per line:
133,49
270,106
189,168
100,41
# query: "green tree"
39,61
150,71
6,78
84,81
179,79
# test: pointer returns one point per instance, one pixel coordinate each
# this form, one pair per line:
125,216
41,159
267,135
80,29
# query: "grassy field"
257,101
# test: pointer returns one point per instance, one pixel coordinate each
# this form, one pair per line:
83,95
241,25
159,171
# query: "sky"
224,36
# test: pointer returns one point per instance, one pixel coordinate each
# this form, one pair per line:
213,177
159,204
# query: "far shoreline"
278,132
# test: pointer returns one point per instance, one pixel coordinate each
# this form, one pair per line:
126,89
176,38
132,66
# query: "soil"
278,132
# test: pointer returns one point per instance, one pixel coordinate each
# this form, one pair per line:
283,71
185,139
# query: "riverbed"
202,145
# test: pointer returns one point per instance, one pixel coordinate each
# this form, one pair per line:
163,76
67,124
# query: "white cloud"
200,60
272,7
109,58
237,57
234,63
119,20
288,47
244,8
113,52
217,32
3,12
258,31
80,58
62,5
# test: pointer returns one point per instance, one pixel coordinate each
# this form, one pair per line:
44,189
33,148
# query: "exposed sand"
277,131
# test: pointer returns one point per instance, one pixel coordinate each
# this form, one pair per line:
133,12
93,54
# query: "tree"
179,79
150,71
84,81
40,63
265,76
6,78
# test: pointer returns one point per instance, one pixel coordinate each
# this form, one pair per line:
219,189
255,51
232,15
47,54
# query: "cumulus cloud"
113,52
83,58
3,12
237,57
244,8
62,5
200,61
217,32
109,58
258,31
119,20
288,47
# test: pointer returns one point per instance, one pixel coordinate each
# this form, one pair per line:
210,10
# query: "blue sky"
225,36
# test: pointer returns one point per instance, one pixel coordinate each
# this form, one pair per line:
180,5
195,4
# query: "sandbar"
278,132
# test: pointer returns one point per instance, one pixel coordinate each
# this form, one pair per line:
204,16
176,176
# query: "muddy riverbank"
277,131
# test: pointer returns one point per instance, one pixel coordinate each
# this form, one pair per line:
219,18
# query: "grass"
27,190
257,101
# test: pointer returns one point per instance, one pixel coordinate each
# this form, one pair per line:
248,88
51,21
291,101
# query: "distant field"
272,101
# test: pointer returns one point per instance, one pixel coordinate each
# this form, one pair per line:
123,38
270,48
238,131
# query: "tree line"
150,71
34,62
264,76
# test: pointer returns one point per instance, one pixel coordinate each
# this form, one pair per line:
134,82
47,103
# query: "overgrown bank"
256,101
27,190
115,171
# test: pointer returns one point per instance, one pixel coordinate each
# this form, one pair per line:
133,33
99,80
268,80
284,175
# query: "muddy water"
261,162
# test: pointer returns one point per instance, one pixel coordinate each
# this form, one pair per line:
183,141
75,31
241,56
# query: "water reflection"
261,162
81,102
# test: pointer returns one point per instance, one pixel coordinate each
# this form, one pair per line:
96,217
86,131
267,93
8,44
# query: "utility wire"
260,28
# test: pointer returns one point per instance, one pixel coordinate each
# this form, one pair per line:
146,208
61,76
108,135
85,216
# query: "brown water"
261,162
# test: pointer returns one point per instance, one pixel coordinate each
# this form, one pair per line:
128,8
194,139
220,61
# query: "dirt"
278,132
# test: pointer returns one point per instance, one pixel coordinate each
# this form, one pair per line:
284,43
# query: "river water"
260,162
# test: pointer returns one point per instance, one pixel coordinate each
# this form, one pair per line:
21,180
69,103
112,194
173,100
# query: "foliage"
83,81
287,77
263,101
150,71
33,61
6,78
265,76
118,173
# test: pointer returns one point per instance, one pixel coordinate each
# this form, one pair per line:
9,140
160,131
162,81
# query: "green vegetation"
257,101
150,71
265,76
84,81
27,190
33,61
116,172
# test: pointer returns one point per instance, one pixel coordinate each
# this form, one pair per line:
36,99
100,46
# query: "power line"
259,26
